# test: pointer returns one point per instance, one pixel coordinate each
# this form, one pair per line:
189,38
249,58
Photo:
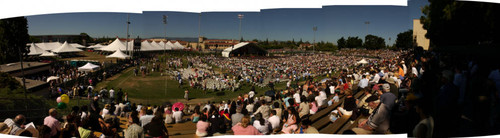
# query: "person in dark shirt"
156,128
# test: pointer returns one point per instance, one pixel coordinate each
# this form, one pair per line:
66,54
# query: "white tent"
52,78
48,54
118,54
146,46
35,50
65,48
156,46
362,61
225,52
76,45
88,67
178,45
49,45
169,45
96,47
118,45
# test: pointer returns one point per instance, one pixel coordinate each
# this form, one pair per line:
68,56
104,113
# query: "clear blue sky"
333,22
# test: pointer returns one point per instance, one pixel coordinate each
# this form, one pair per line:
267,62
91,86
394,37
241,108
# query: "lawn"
152,89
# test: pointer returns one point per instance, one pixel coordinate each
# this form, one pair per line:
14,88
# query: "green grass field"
152,89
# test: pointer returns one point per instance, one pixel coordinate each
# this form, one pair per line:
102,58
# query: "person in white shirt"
375,79
296,96
274,120
146,119
363,82
112,94
251,94
332,89
177,115
261,124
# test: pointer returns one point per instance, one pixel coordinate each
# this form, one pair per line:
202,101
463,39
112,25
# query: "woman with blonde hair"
243,127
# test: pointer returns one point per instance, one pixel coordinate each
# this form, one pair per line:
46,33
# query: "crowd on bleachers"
421,94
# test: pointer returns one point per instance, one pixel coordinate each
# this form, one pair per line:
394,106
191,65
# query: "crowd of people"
419,93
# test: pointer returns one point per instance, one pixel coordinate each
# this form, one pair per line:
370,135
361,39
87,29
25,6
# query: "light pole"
367,23
128,22
199,31
315,28
164,52
240,16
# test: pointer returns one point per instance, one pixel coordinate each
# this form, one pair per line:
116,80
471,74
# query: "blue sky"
333,22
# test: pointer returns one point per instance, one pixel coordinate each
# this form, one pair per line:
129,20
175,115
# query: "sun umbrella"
52,78
178,105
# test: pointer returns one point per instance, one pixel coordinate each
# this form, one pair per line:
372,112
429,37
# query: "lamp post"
128,22
315,28
199,31
240,16
164,51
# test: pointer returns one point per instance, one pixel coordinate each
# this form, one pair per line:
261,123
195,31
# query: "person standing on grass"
186,95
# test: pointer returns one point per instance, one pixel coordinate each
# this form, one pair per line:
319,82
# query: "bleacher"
321,120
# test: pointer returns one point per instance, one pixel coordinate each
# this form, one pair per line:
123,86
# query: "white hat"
386,87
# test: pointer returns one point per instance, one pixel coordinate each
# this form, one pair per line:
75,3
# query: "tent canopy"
362,61
65,48
88,67
118,54
35,50
48,54
118,45
244,48
178,45
76,45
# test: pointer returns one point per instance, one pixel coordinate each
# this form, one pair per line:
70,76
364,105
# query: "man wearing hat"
392,86
378,122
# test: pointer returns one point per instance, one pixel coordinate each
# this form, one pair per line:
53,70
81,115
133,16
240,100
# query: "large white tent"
178,45
169,45
118,54
35,50
48,54
49,45
96,47
146,46
225,52
156,46
88,67
65,48
118,45
76,45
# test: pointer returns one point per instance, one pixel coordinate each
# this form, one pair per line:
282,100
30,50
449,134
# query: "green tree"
354,42
34,40
341,42
405,40
13,36
450,22
374,42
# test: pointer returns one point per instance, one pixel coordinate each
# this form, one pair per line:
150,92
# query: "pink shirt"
202,126
249,130
314,108
53,124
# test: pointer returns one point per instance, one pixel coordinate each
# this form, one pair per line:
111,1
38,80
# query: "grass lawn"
152,89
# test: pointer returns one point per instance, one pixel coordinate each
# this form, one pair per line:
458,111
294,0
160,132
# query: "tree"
341,42
354,42
13,38
405,40
374,42
450,22
34,40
